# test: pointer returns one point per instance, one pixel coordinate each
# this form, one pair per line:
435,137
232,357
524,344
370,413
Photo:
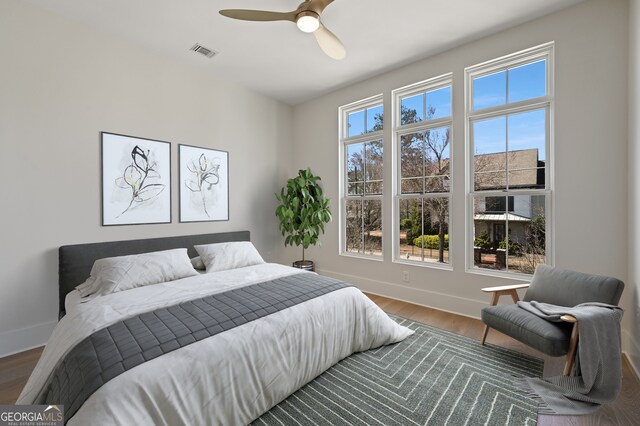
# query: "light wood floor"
15,369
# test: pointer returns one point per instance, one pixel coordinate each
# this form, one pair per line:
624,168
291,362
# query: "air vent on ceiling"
203,50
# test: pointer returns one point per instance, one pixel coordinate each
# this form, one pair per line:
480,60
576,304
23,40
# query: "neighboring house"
498,215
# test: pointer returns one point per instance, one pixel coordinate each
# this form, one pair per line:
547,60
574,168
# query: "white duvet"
230,378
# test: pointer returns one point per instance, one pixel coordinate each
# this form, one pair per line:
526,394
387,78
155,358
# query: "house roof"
500,217
525,169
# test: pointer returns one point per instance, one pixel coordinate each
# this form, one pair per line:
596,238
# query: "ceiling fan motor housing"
308,21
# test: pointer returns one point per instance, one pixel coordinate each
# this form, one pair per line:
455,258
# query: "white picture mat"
210,200
117,208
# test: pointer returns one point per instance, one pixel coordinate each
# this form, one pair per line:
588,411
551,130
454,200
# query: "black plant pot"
307,265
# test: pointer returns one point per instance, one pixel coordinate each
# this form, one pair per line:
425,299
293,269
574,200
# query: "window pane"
410,220
373,168
410,216
355,123
489,230
353,240
513,240
528,81
437,159
490,90
412,109
490,160
527,142
375,118
526,234
411,163
435,241
425,161
439,103
363,227
355,169
372,227
428,217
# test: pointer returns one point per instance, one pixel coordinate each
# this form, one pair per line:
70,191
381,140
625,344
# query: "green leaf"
303,211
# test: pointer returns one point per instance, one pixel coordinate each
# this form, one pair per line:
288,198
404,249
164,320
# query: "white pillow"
224,256
114,274
197,263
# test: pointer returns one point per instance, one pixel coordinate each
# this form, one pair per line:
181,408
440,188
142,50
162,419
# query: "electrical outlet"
405,276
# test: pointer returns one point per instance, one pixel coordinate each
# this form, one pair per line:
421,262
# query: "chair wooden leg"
484,334
494,301
571,354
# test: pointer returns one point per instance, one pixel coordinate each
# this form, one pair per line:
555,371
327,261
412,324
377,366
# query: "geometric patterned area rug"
433,377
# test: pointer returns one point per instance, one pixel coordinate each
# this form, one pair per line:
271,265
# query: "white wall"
61,83
590,150
632,332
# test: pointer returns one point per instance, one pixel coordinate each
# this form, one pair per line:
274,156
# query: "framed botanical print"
204,184
136,180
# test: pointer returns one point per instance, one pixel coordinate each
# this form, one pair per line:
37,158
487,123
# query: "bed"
229,378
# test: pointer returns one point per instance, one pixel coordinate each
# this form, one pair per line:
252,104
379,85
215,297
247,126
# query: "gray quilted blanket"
599,369
119,347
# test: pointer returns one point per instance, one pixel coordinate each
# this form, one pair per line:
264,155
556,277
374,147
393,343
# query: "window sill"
432,265
362,256
500,274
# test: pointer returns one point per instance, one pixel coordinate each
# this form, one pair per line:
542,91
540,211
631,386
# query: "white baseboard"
23,339
431,299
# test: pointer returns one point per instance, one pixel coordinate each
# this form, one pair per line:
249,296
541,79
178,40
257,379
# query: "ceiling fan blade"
258,15
329,43
318,5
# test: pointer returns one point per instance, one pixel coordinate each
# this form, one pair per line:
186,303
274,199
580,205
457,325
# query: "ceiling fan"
306,17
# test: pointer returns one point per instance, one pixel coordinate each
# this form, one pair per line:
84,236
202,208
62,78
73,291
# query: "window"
422,139
509,104
499,204
361,187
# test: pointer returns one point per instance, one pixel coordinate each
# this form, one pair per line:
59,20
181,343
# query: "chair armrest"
505,288
569,318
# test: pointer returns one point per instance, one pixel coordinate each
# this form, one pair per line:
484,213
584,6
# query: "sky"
520,131
506,133
363,119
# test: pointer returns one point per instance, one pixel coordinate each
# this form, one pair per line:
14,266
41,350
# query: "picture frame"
203,184
136,180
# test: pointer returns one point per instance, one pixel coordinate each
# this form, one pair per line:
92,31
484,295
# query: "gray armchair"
555,286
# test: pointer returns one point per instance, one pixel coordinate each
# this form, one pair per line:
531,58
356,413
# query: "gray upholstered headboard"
75,261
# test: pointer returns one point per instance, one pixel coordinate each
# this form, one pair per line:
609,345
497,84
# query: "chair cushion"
548,337
563,287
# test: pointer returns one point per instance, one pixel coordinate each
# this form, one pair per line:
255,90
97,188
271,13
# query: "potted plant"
303,213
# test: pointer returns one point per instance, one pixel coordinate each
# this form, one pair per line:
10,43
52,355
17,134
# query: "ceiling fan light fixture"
308,21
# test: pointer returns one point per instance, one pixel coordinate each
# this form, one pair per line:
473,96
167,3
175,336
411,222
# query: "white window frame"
546,52
344,142
400,130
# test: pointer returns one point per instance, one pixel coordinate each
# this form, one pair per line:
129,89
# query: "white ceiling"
277,59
